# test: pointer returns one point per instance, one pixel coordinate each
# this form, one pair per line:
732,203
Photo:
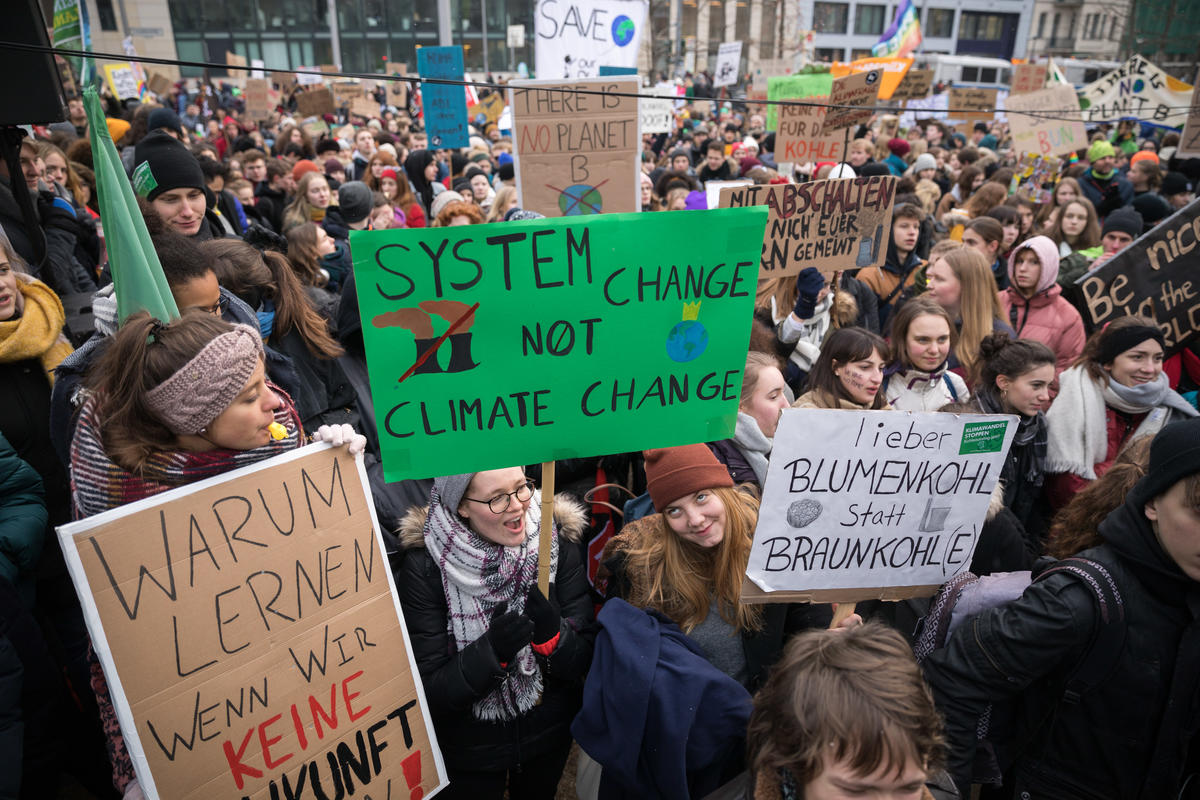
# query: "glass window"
868,20
190,50
275,53
830,17
857,54
829,54
939,22
1041,29
108,17
988,27
970,74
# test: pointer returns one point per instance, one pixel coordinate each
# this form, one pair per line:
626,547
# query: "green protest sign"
795,87
539,340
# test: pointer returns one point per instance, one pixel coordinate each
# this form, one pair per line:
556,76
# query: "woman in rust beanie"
688,561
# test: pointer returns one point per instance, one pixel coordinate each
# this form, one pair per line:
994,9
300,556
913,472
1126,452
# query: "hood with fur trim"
1047,252
570,515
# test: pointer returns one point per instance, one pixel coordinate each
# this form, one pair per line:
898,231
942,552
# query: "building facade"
1079,28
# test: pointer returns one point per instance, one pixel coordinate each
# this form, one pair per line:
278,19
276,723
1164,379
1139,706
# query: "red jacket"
1062,486
1048,318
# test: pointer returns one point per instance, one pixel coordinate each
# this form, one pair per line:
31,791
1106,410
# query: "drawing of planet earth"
687,340
622,30
580,199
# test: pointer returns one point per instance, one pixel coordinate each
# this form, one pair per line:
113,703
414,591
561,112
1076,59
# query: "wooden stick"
840,612
547,529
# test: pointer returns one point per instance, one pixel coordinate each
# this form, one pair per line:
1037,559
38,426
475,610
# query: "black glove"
508,633
545,616
809,284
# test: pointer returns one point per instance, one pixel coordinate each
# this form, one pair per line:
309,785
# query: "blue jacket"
657,716
896,164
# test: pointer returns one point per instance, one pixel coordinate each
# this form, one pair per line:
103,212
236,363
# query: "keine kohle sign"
863,505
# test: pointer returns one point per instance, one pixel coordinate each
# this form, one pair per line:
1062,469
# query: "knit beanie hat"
1174,455
201,389
355,199
507,171
924,161
1143,155
444,199
451,489
390,172
873,168
116,128
1100,149
1152,208
332,165
1173,183
516,214
899,147
675,472
303,166
162,163
164,118
1124,220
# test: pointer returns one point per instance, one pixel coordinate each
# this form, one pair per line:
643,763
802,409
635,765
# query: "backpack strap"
950,386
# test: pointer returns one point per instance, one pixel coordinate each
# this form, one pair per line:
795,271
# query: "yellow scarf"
317,214
37,333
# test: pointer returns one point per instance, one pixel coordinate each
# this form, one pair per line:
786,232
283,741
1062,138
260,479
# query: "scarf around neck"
1027,460
37,332
1146,396
753,444
478,575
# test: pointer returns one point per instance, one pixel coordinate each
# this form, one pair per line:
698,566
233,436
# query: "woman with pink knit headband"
171,404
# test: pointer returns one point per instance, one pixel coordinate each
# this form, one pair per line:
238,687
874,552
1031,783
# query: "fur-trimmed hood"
569,514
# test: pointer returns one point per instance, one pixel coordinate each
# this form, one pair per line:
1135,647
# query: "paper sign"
729,60
830,225
1137,90
658,114
861,505
315,102
397,91
258,101
258,68
309,78
365,106
851,99
315,127
445,104
159,84
251,636
802,136
573,39
1055,130
555,338
972,105
577,154
916,84
1153,277
122,81
1028,78
795,87
893,69
712,190
1189,141
344,92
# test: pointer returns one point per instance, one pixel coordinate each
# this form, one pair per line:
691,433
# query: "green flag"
138,278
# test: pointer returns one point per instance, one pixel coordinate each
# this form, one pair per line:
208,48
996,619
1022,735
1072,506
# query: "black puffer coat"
453,681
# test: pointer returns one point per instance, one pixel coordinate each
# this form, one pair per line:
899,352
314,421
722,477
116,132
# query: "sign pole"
547,529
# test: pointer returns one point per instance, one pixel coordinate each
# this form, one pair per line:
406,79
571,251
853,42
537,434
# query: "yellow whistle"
277,431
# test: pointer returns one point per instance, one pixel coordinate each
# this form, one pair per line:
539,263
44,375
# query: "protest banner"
235,60
72,31
729,63
915,85
344,92
1028,78
258,68
159,84
862,505
795,87
309,78
851,100
657,114
397,93
830,225
315,127
366,106
258,99
579,338
893,71
445,104
490,107
251,636
712,190
1137,90
121,81
315,102
1049,129
802,136
1189,141
970,105
573,38
1155,276
577,153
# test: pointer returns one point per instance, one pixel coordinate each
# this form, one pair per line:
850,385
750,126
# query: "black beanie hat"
1174,455
1152,208
1174,183
355,199
164,118
873,168
507,171
161,164
1124,220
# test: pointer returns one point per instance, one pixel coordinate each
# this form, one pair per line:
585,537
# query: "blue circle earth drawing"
622,30
579,200
687,340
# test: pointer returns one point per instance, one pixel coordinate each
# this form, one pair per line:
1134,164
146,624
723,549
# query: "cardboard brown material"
1189,141
915,85
258,98
802,135
852,98
1054,131
1027,78
315,102
972,105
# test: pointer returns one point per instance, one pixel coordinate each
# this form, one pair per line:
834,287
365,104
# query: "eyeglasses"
217,309
500,503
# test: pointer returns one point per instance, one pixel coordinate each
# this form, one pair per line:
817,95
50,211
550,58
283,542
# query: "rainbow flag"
903,36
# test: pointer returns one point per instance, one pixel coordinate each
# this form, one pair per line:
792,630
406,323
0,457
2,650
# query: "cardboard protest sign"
122,81
575,153
802,135
491,107
445,104
235,60
344,92
830,225
972,105
1049,128
712,190
657,114
862,505
893,71
315,102
1155,277
578,338
1028,78
851,99
1137,90
795,87
365,106
258,100
251,637
729,61
1189,141
574,38
915,85
397,93
159,84
309,78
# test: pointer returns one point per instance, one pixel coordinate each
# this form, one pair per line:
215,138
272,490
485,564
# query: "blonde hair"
503,196
978,305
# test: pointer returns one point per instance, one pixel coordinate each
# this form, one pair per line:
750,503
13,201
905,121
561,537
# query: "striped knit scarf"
98,484
478,575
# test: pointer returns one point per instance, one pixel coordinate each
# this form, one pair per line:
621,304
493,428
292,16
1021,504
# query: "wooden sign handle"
547,529
840,612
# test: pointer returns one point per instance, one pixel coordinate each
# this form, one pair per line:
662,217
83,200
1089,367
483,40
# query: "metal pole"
483,17
335,38
445,34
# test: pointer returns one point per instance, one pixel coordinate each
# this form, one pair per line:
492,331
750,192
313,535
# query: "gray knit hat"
201,389
924,161
355,199
451,488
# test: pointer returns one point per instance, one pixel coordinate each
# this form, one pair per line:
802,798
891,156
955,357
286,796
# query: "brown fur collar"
569,513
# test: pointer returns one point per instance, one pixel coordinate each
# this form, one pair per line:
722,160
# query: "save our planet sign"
575,38
555,338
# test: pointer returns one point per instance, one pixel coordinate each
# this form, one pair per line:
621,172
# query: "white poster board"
1137,90
658,114
574,38
729,60
862,505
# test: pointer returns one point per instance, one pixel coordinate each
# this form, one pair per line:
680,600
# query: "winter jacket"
271,204
22,514
910,389
454,681
896,165
1132,735
62,271
892,281
1048,318
1107,194
819,399
728,453
1062,486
